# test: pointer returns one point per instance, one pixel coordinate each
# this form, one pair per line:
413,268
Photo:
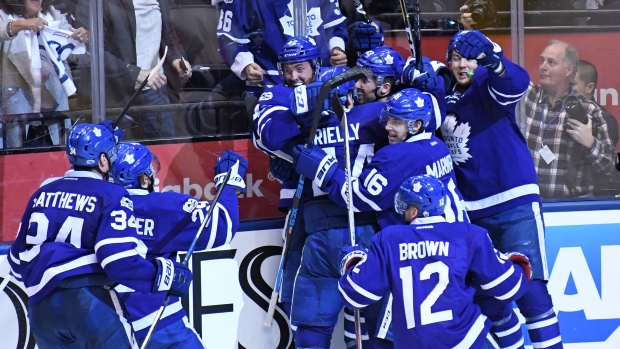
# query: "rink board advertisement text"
232,286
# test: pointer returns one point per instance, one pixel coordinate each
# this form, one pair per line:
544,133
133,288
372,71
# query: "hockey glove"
239,165
282,169
117,132
172,277
422,80
366,37
314,163
304,100
523,261
352,256
474,45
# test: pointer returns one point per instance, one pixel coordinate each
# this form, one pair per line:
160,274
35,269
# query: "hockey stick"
135,94
344,124
359,8
414,38
335,81
300,16
190,251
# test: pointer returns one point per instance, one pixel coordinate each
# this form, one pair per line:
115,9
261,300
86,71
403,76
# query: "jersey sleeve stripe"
362,291
13,258
115,241
260,124
118,256
517,96
349,300
232,38
492,91
356,189
352,335
147,321
541,324
334,23
436,109
511,292
54,271
474,332
502,197
499,280
509,331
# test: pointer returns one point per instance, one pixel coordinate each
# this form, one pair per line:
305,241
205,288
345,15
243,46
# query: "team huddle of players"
449,228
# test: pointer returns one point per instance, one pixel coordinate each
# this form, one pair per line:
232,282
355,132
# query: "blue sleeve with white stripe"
492,270
231,34
508,88
366,283
334,24
118,247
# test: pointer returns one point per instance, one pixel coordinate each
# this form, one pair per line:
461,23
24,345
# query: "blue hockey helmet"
384,62
410,105
427,193
133,160
87,141
299,49
343,90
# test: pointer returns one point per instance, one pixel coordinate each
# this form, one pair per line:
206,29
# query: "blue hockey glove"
282,169
172,277
473,44
523,261
239,165
352,256
117,132
314,163
304,100
366,37
422,80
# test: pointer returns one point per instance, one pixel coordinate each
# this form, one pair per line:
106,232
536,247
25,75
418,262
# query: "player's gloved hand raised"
116,131
304,100
239,165
172,277
422,80
282,169
472,44
523,261
313,162
352,256
366,36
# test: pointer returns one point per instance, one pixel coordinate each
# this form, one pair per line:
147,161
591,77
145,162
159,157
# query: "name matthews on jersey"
70,201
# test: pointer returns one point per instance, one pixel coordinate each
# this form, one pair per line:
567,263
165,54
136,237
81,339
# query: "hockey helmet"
427,193
410,105
133,160
384,62
299,49
87,141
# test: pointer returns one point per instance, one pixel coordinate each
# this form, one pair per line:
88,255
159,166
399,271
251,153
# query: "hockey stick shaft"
359,8
403,9
300,10
417,36
335,81
139,90
344,123
190,251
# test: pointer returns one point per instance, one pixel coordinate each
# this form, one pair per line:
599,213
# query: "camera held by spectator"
482,12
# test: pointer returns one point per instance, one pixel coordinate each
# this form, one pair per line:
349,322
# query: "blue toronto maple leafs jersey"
493,164
255,31
426,266
167,223
78,225
378,182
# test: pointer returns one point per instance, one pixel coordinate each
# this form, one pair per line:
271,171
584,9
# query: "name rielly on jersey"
69,201
332,134
423,249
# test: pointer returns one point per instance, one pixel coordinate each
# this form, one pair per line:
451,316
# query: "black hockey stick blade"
335,81
337,106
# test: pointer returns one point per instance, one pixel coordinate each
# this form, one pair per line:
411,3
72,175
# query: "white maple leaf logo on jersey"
97,132
417,186
456,138
313,21
389,59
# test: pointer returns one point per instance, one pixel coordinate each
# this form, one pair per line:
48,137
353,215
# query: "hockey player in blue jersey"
167,223
495,172
251,34
75,242
387,66
431,311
